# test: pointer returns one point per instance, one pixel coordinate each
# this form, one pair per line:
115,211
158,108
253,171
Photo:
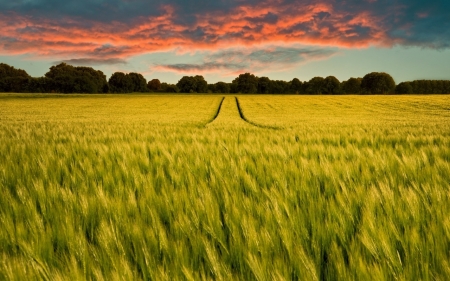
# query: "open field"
129,187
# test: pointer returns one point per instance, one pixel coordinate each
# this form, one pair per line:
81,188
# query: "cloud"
93,61
120,29
232,61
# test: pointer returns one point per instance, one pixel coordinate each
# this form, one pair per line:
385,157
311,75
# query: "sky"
220,39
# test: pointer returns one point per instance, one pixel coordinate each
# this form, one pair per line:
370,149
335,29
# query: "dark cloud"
273,58
92,61
116,10
123,28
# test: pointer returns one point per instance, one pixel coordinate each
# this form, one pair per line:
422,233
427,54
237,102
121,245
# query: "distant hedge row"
64,78
424,87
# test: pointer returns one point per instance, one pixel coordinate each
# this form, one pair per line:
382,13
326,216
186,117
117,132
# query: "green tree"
315,86
377,83
234,87
154,85
222,88
263,85
139,82
246,83
119,82
66,78
192,84
430,86
9,71
62,77
331,86
187,84
39,85
201,84
169,88
96,77
278,87
13,80
296,86
404,88
351,86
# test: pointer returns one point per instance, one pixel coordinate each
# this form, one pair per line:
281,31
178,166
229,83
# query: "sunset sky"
410,39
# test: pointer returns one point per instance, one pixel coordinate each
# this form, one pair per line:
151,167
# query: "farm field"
159,187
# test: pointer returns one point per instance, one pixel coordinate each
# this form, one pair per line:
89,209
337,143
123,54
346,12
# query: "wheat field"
198,187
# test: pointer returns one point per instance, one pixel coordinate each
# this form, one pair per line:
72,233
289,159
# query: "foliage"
154,85
246,83
351,86
131,82
278,87
404,88
139,82
315,86
64,78
296,86
377,83
331,86
430,86
263,85
9,71
192,84
169,88
120,82
12,79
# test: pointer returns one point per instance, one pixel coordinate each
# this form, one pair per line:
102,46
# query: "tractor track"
241,114
217,113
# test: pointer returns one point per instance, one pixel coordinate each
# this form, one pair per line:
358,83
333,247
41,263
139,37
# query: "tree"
65,78
222,88
377,83
39,85
296,86
187,84
10,71
62,78
314,86
246,83
201,84
154,85
192,84
169,88
17,84
404,88
119,82
12,79
331,86
139,82
430,86
234,87
278,87
351,86
263,85
211,88
96,77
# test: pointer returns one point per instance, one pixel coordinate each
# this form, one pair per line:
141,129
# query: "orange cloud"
270,22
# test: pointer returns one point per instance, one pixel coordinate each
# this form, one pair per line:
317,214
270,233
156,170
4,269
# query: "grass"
156,188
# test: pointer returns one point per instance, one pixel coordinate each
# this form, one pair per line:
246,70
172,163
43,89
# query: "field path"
228,114
241,114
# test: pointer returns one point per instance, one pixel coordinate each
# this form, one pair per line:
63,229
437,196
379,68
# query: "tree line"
65,78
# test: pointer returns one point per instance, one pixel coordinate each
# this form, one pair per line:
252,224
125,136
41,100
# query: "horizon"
281,39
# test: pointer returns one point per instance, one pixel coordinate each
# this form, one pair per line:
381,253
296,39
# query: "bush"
377,83
404,88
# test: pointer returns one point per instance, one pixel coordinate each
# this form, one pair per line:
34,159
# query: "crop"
132,187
